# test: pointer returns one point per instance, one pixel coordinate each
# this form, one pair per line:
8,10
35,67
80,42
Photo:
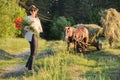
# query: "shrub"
94,16
57,27
9,10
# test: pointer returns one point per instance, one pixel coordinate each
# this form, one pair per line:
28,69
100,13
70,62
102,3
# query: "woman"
31,35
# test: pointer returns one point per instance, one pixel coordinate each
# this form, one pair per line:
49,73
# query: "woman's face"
34,12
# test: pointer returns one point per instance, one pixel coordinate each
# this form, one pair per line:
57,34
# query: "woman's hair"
32,8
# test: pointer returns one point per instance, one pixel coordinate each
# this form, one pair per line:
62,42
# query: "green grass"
13,45
59,65
17,45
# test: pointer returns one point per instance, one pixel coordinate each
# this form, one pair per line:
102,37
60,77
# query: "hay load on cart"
110,20
94,32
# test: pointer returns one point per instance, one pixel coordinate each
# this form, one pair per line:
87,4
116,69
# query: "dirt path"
23,55
18,70
14,71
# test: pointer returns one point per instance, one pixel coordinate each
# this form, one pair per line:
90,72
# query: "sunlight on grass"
6,63
13,45
58,64
18,45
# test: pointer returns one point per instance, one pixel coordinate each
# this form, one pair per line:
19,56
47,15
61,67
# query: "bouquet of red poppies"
23,23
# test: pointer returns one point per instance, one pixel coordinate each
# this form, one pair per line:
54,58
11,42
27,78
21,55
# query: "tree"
9,10
80,11
57,29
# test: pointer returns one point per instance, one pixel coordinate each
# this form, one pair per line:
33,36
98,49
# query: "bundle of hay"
94,30
110,20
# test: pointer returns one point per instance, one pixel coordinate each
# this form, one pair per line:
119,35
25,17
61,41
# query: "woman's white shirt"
36,25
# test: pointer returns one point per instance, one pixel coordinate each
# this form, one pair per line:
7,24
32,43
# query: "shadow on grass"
5,55
17,72
105,74
107,66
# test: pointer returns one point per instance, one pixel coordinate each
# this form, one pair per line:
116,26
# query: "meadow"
53,62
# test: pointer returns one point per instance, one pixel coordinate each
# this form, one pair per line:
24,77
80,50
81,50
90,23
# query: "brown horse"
77,36
68,35
81,37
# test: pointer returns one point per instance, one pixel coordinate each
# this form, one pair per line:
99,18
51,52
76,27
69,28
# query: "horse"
77,36
68,35
81,37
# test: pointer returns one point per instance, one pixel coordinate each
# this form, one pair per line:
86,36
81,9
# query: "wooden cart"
94,32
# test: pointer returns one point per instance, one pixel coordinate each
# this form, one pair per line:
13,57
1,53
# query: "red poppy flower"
17,22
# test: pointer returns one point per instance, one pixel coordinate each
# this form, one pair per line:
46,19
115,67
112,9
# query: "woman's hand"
38,30
32,25
27,28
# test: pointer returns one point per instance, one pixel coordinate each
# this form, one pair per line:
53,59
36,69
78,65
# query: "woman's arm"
40,27
37,26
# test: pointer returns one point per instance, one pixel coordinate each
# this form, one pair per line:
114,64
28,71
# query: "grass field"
58,64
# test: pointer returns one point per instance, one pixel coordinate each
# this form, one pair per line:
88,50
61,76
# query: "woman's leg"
33,49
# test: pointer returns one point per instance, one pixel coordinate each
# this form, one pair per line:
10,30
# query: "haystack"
94,31
110,20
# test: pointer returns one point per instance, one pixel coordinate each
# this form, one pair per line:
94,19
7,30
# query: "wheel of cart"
97,44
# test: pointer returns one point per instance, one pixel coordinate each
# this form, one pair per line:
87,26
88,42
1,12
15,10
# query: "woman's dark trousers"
33,51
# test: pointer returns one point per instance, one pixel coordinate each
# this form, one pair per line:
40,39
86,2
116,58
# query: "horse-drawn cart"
94,32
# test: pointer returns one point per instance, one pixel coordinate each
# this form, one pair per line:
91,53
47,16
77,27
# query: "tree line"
59,13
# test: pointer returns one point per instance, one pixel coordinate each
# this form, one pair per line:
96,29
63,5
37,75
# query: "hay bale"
110,20
94,31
